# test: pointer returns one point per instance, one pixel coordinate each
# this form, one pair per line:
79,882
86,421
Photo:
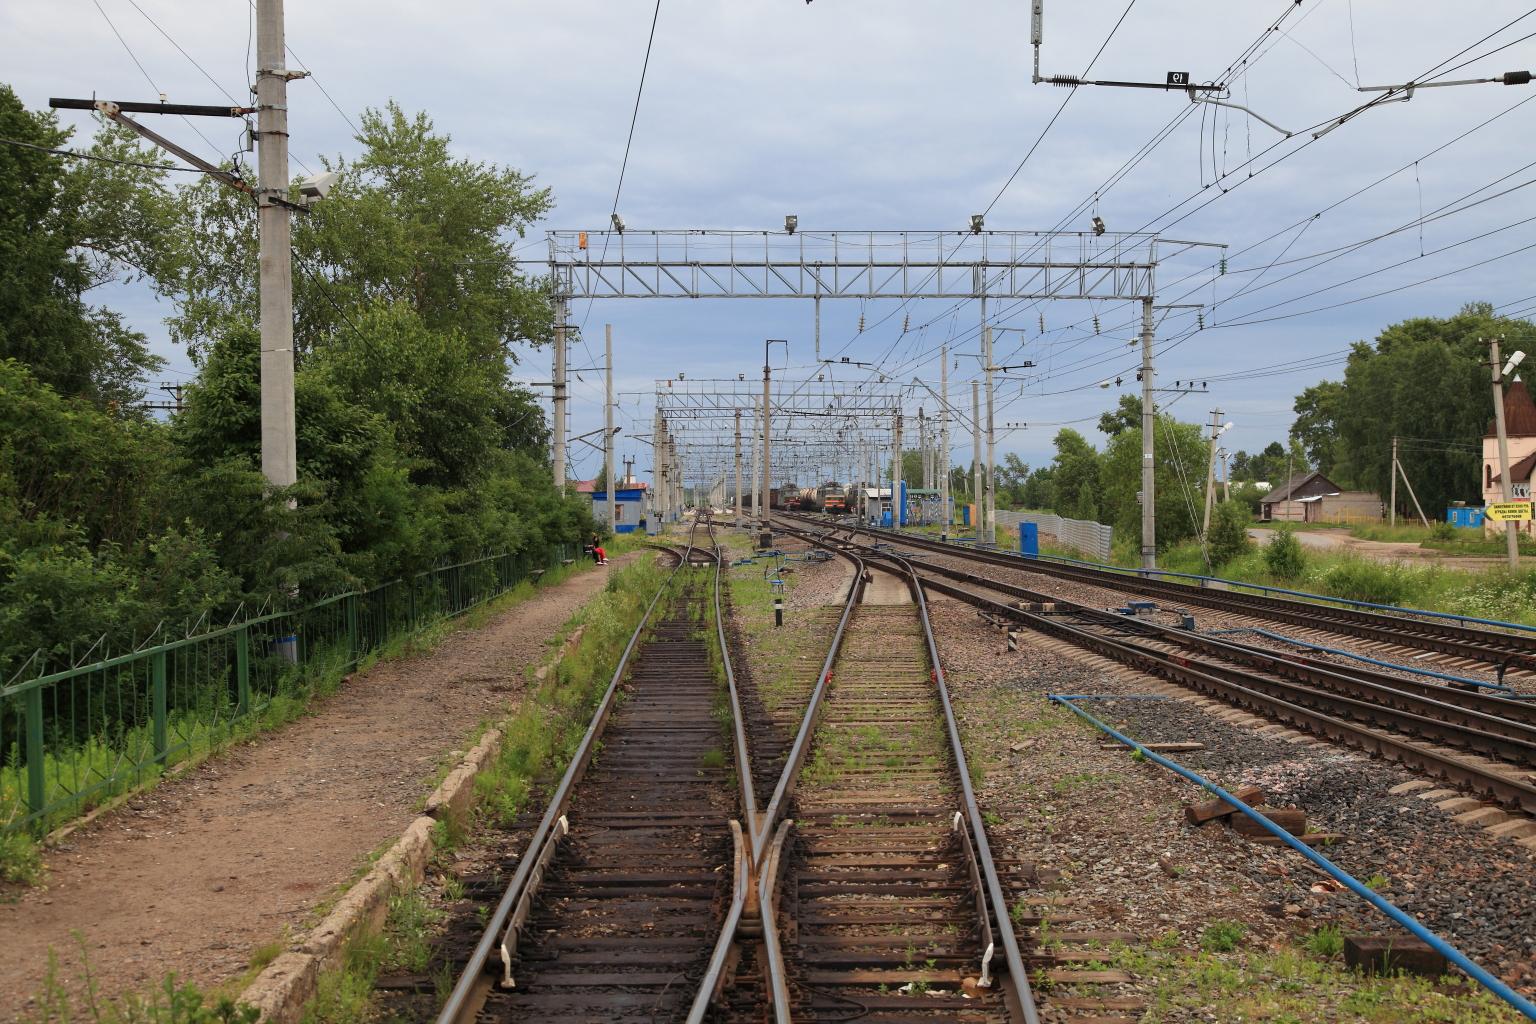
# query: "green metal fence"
71,740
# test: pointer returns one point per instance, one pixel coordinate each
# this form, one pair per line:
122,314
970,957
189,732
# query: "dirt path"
1383,551
197,874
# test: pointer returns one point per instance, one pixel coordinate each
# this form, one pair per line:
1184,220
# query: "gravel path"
196,874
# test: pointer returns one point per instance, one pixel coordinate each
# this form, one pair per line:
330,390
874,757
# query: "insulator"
1223,264
1065,81
1042,323
1199,321
1095,325
906,323
861,323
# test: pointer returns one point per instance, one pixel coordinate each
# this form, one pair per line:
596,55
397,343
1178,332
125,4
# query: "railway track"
1484,742
626,886
1498,649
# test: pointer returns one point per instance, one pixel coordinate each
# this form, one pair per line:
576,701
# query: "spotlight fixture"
1515,359
790,223
1098,225
978,221
618,222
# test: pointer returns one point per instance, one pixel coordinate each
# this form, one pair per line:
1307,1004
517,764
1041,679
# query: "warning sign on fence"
1509,511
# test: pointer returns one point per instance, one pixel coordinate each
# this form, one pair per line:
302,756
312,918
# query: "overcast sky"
901,114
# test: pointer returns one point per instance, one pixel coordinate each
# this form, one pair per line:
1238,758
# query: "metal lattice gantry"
722,264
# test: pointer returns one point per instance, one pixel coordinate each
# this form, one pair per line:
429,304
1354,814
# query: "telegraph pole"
738,468
1226,478
976,456
279,454
1148,424
944,442
558,435
1393,499
1210,473
1506,485
613,485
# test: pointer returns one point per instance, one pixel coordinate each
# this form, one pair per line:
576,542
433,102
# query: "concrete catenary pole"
1226,477
990,516
279,453
944,509
608,439
1506,485
757,451
898,473
1148,426
767,444
738,468
976,458
557,435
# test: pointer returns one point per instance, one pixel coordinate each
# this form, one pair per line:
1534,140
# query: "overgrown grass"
171,1002
546,729
1289,985
344,995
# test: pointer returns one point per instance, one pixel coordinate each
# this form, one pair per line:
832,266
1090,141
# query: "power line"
76,155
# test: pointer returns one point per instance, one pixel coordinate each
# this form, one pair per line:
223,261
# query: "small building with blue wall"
628,507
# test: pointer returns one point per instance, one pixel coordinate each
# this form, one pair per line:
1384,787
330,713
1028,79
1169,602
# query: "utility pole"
898,473
990,517
1393,490
757,473
1506,485
1210,473
613,485
557,437
279,453
1148,424
762,513
1226,477
976,457
922,446
738,468
944,442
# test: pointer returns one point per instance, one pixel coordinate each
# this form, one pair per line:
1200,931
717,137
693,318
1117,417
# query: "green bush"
1442,531
1284,557
1222,936
1229,532
1360,579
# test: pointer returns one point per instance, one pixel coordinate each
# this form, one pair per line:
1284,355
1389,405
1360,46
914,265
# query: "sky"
906,115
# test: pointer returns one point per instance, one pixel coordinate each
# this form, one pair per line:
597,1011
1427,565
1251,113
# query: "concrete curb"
280,991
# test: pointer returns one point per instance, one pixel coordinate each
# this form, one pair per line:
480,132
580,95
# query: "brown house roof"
1519,412
1520,471
1297,483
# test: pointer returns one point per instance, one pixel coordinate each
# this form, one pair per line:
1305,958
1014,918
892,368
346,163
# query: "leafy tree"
1075,476
1126,416
1180,460
65,230
1316,428
1228,537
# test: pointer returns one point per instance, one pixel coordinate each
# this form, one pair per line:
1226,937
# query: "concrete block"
1438,794
1482,816
280,992
1515,828
1411,787
1458,804
1373,953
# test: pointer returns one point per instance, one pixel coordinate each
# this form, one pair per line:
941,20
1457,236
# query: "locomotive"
833,497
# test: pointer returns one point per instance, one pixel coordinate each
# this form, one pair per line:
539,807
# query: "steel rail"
1491,646
1479,720
710,984
1012,957
1506,789
457,1008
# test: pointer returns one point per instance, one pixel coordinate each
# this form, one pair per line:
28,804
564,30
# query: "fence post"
243,671
352,648
157,705
36,775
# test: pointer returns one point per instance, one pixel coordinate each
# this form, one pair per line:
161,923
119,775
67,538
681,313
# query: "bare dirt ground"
197,874
1342,541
